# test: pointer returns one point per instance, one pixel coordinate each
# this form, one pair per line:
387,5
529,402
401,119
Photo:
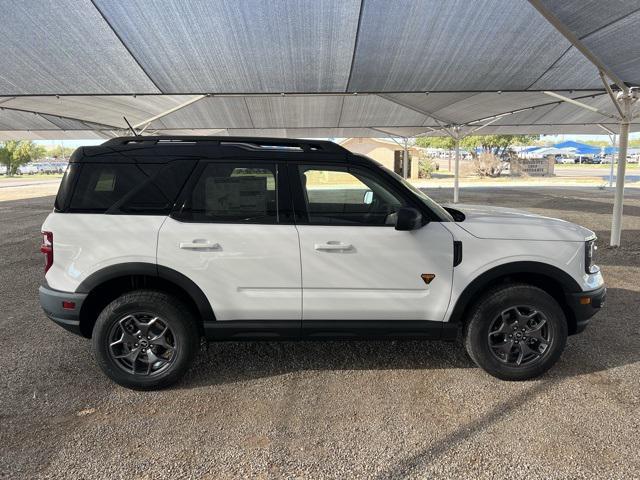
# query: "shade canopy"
581,148
316,68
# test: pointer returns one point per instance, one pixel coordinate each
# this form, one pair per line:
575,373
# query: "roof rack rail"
252,143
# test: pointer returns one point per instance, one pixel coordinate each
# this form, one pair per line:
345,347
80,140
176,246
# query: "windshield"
424,198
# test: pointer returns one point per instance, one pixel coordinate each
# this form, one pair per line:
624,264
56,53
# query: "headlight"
589,254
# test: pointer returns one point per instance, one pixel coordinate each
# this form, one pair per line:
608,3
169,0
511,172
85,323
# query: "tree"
446,143
496,144
58,151
14,153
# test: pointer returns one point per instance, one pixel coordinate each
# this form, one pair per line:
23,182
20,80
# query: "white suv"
156,242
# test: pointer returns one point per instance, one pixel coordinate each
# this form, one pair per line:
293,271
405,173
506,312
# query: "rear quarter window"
66,185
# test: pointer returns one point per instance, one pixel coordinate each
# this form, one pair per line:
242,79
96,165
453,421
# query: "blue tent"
610,150
580,148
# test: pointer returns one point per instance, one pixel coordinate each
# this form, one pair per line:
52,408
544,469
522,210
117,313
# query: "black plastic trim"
568,284
583,313
251,143
51,303
457,253
252,329
114,271
152,270
329,329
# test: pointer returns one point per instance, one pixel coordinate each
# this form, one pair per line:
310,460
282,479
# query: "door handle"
333,246
199,245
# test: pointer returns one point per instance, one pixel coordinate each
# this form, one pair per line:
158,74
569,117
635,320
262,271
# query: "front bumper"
585,305
51,302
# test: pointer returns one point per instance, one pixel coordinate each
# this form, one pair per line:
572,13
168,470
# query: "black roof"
161,149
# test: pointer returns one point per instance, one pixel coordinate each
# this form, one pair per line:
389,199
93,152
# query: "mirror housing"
408,219
367,198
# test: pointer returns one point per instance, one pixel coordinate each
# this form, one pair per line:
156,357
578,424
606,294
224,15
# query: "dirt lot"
326,410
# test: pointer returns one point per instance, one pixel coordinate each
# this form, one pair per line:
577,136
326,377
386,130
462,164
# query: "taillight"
47,249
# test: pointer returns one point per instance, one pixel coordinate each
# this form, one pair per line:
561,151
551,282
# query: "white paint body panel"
378,278
254,274
507,223
481,255
85,243
275,271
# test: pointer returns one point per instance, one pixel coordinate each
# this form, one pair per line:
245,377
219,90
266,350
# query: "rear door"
355,264
234,237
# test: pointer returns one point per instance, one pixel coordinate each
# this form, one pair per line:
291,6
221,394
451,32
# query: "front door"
230,239
355,264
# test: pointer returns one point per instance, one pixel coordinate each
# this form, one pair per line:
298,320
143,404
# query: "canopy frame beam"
580,104
576,42
148,121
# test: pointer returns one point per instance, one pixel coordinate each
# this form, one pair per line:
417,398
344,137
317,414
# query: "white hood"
511,224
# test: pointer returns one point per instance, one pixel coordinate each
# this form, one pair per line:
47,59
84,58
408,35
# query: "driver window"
341,196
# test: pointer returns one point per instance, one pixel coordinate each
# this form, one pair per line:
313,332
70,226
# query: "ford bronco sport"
156,242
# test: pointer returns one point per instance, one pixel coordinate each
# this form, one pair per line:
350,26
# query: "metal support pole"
613,158
405,159
456,178
626,99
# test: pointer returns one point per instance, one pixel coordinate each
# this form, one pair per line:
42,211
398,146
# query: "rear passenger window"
233,193
129,188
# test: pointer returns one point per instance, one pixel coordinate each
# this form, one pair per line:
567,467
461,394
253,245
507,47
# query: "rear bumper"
51,302
585,305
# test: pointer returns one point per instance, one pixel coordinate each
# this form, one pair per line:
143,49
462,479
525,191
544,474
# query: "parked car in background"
51,167
566,160
28,169
584,159
3,170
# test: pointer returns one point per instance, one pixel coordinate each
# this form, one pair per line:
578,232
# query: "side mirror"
408,219
367,199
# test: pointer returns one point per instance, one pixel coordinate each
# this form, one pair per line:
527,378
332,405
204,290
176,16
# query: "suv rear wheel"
145,339
516,332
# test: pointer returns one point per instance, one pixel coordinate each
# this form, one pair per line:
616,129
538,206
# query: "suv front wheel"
516,332
145,339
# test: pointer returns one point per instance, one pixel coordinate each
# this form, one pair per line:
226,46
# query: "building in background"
386,152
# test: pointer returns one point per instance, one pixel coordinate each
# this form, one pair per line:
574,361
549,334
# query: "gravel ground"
325,410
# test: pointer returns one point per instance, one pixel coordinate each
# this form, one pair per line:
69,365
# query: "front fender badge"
427,277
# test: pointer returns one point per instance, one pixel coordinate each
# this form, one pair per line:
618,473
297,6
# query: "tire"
495,339
157,361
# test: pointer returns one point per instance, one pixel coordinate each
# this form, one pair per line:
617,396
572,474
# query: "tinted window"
129,188
347,196
233,193
65,186
159,192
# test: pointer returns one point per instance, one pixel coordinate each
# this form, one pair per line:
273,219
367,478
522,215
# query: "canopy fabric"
346,67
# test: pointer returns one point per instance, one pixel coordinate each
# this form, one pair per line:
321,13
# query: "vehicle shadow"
607,343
